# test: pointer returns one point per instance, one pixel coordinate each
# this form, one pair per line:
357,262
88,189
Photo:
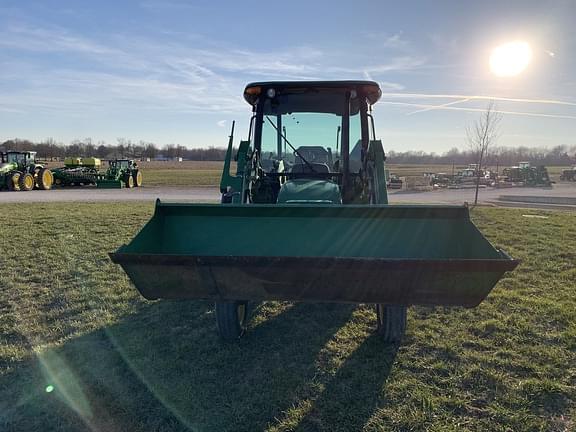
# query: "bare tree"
481,136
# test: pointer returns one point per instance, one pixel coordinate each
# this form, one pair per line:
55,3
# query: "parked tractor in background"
394,182
465,177
568,174
442,180
472,174
527,175
20,172
120,173
77,172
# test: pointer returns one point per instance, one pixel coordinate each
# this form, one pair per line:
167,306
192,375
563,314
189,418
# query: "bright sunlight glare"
510,59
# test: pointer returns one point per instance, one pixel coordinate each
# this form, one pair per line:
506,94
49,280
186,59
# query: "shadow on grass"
353,395
164,368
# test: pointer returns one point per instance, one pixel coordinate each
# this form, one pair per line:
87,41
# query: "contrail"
520,113
477,97
438,106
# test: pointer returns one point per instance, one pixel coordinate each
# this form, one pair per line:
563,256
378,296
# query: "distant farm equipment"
87,171
569,174
463,178
20,172
394,182
527,175
77,172
441,179
524,174
120,173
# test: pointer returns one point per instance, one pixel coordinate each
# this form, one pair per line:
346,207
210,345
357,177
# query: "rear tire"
391,322
44,179
26,182
14,181
137,178
231,319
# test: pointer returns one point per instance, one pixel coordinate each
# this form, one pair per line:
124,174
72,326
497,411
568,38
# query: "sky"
173,71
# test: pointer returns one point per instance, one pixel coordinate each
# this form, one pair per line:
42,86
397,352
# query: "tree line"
503,156
123,149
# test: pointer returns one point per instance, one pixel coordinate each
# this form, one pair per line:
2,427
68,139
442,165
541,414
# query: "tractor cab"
524,165
22,159
301,131
121,164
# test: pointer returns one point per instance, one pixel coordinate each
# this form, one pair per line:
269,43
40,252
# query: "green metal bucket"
362,254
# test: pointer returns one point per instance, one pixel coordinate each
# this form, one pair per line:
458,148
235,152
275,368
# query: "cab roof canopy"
311,96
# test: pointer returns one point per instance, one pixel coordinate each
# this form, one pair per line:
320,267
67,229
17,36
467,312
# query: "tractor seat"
307,169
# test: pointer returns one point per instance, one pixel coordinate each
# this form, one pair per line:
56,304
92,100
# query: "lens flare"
510,59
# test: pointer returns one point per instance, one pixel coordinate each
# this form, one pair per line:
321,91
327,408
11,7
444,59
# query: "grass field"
208,173
81,350
192,173
182,174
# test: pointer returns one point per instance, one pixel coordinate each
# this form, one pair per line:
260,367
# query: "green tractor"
568,174
20,172
293,226
527,175
120,173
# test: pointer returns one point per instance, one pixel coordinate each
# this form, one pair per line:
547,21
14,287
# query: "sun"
510,59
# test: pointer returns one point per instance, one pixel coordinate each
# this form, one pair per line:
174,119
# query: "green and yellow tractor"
296,226
527,175
20,172
120,173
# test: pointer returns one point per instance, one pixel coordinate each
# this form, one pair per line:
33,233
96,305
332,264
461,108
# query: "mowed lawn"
81,350
182,174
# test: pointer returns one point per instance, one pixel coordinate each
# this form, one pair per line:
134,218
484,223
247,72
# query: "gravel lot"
207,194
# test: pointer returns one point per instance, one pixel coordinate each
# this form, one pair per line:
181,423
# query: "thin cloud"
26,38
146,74
452,108
156,75
439,106
166,5
397,64
387,40
11,110
477,97
390,85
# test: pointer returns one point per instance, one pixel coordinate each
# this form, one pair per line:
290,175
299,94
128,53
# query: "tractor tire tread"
40,177
137,176
392,322
227,320
22,182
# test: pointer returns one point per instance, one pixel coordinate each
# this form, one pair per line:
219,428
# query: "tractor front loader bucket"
400,255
